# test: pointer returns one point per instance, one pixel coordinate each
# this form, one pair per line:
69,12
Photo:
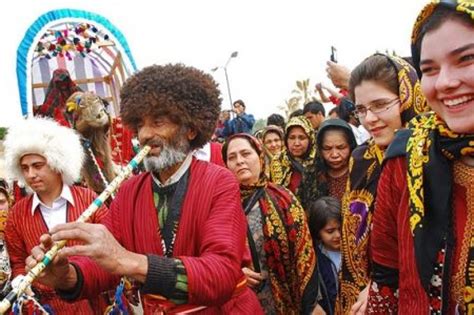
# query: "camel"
86,113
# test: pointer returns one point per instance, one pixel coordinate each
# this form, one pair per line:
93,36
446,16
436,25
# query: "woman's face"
335,150
243,161
381,126
272,142
298,141
447,64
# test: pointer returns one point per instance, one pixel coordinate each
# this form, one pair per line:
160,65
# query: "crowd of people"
367,209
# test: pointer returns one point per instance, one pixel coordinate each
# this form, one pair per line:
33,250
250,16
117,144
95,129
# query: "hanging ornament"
73,38
40,47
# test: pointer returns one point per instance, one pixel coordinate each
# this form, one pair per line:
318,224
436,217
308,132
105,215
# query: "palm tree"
303,94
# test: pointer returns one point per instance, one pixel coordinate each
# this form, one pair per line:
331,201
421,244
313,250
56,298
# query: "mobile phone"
333,54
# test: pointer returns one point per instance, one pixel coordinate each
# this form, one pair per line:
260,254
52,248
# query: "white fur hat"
61,146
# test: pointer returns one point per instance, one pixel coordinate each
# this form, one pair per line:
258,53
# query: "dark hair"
184,94
3,184
440,15
277,120
314,107
334,110
409,59
298,112
376,68
320,212
240,102
346,109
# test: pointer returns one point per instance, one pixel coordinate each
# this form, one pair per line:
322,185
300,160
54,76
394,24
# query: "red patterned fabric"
121,142
18,192
22,233
295,181
210,239
60,88
392,242
288,249
216,154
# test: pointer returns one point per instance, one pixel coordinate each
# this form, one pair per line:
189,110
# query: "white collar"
65,194
203,153
178,174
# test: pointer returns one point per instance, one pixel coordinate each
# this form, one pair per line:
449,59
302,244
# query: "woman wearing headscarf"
335,142
272,138
387,95
423,236
295,167
283,272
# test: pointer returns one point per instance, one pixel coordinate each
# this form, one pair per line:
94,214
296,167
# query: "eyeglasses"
377,108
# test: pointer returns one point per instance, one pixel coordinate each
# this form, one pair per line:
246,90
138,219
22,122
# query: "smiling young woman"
387,94
423,223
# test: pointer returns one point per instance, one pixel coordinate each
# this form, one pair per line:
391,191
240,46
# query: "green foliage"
259,124
3,133
304,93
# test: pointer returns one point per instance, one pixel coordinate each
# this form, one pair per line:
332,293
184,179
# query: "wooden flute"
24,282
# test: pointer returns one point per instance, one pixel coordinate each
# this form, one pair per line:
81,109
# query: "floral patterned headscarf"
282,167
285,231
358,204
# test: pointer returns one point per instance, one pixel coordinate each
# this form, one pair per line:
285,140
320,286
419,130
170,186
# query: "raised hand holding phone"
333,57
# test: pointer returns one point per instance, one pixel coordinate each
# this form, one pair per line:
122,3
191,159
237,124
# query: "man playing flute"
178,229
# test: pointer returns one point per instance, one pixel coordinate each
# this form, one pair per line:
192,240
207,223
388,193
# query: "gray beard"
167,158
169,155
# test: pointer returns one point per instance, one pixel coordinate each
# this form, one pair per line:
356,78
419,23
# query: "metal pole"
233,55
228,87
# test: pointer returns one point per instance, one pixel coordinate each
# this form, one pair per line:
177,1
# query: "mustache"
155,143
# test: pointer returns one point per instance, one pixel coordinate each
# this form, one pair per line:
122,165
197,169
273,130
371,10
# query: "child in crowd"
325,224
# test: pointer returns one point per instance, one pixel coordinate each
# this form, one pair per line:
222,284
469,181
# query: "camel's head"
86,111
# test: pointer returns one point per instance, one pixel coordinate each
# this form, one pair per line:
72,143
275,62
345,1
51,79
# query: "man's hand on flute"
59,273
100,245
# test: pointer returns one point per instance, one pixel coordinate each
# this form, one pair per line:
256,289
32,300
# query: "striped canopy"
94,51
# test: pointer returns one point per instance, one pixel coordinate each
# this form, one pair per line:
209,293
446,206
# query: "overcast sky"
278,42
